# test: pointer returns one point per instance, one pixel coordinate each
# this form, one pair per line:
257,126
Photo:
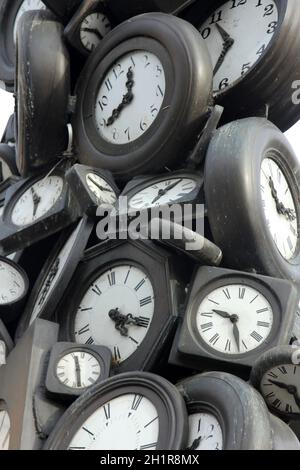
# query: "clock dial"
78,369
129,421
93,29
116,311
101,189
130,97
279,208
233,51
26,6
36,201
205,432
164,192
234,319
280,387
2,353
12,284
4,430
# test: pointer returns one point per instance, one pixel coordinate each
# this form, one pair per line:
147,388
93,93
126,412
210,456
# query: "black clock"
35,208
231,318
134,411
43,85
253,73
8,166
225,413
124,295
14,287
252,189
143,97
72,368
11,12
276,374
56,274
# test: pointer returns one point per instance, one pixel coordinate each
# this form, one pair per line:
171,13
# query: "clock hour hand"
195,444
36,200
222,314
127,99
163,192
291,389
281,209
102,188
236,334
227,45
77,370
93,31
224,34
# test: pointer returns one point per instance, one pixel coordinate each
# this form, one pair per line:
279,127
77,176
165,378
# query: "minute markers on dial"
280,387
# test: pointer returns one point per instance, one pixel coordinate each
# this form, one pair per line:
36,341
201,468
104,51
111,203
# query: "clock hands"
36,200
234,319
195,444
163,192
102,188
126,99
93,31
77,370
227,45
291,389
281,209
122,320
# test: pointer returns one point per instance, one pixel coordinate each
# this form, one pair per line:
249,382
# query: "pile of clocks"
143,344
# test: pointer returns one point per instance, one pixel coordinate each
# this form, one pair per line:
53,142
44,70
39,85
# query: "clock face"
234,319
54,273
12,284
164,192
233,51
26,6
36,201
130,97
4,430
101,189
280,387
205,432
279,208
129,421
116,311
93,29
2,353
4,170
78,369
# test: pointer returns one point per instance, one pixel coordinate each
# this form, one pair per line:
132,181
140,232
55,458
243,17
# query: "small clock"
225,413
134,411
4,427
73,369
143,97
43,80
14,286
265,176
231,318
124,295
7,162
92,187
56,274
276,374
252,70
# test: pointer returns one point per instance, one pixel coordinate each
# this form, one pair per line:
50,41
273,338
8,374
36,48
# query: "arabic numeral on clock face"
237,3
103,102
224,84
206,32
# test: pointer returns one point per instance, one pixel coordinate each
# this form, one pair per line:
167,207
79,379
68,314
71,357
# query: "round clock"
78,369
276,374
265,175
7,162
148,84
14,286
4,427
265,61
10,15
225,413
93,29
134,411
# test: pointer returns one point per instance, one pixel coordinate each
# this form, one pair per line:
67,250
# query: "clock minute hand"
195,444
281,209
77,370
93,31
36,200
127,99
102,188
163,192
222,314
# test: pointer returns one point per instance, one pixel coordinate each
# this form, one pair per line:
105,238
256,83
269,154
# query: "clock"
231,318
124,295
56,274
6,343
73,368
4,427
251,71
7,162
92,187
225,413
35,208
63,9
14,286
276,374
265,176
88,26
134,411
43,80
10,14
143,97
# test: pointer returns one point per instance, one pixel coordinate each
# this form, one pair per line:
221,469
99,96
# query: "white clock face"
128,422
12,284
4,430
93,29
4,170
234,319
101,189
54,273
164,192
233,51
280,387
78,369
279,208
116,311
27,5
205,432
146,74
37,200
